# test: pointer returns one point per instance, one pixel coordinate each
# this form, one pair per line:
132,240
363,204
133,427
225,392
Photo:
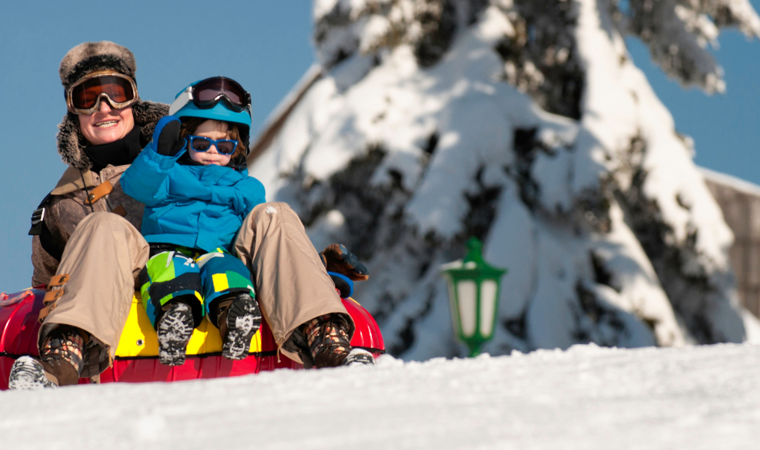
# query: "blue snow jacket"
191,206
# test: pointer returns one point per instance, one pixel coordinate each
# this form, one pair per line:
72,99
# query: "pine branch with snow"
679,32
523,123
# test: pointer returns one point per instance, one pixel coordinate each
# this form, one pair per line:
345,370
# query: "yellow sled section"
139,338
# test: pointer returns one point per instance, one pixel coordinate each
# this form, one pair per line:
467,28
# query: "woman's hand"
168,142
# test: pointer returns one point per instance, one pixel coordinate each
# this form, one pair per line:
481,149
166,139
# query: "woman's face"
212,129
106,125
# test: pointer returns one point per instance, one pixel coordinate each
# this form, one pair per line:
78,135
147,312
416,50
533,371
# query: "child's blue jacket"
191,206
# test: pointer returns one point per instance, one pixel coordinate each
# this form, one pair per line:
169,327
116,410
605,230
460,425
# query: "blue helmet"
216,98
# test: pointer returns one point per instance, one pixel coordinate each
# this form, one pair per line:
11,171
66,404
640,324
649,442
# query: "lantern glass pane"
488,289
467,293
450,285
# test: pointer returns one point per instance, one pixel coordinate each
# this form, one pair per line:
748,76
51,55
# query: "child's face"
211,129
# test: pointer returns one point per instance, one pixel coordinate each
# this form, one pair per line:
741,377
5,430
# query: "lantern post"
473,287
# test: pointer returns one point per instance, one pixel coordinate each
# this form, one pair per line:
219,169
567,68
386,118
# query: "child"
196,191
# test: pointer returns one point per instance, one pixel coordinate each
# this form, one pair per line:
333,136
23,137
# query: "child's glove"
338,259
168,142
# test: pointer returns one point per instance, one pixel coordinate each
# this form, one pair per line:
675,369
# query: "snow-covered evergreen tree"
526,124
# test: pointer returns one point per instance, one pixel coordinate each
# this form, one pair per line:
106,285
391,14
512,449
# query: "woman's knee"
107,225
267,212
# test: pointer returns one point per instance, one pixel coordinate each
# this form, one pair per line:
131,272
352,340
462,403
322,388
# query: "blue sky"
266,46
724,127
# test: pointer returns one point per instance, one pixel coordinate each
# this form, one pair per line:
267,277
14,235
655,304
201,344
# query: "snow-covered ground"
588,397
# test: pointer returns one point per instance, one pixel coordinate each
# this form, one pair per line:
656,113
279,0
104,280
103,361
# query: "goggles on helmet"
207,93
202,144
84,96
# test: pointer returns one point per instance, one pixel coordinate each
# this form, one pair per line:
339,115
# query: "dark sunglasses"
223,146
84,96
207,93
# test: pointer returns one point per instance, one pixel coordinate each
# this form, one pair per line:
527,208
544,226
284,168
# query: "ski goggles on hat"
84,96
223,146
205,94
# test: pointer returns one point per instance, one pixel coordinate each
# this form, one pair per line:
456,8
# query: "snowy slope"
705,397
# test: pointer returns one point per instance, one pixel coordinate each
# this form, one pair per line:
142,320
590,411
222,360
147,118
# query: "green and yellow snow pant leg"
168,276
223,275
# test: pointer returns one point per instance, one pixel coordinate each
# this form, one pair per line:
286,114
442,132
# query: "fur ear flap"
70,143
147,114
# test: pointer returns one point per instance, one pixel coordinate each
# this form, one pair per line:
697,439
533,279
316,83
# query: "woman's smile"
106,125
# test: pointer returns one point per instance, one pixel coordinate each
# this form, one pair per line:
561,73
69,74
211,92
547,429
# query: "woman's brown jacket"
62,210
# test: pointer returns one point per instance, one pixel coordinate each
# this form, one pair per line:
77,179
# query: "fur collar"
71,143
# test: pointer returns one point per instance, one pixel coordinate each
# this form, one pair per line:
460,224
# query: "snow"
679,35
587,397
752,325
734,183
633,275
290,99
603,220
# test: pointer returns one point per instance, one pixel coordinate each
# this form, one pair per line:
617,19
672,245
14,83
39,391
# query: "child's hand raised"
168,142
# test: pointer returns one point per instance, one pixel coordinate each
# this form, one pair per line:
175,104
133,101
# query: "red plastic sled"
136,356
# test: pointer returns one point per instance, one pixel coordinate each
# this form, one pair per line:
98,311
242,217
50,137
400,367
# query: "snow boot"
60,362
359,357
238,319
27,374
175,327
329,344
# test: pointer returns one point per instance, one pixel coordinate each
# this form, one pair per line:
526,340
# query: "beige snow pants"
105,254
292,285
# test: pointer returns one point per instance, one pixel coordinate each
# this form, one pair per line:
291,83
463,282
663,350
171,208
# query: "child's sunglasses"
223,146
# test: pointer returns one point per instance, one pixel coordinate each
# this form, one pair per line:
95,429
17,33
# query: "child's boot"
329,345
60,362
238,319
175,327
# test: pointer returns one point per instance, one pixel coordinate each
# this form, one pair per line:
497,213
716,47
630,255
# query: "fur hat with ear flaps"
85,59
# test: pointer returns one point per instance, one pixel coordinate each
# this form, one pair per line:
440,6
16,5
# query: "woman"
88,251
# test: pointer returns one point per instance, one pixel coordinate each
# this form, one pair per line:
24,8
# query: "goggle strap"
182,99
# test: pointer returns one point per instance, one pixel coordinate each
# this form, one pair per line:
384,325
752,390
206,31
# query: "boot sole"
243,321
359,357
27,374
174,332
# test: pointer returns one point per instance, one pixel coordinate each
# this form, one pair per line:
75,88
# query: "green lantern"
474,296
